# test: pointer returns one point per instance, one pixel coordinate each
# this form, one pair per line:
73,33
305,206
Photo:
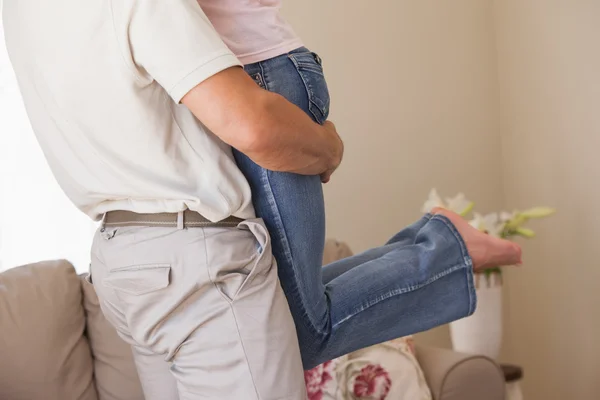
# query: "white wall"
549,70
29,192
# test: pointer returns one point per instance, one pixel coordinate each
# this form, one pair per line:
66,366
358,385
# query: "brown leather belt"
185,219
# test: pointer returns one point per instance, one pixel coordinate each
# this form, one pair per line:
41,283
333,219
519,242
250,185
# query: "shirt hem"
272,52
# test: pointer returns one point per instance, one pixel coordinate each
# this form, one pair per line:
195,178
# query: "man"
115,91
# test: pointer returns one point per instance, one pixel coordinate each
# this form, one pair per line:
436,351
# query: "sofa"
56,345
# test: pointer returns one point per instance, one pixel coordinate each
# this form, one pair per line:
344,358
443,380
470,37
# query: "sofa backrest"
55,343
44,353
335,250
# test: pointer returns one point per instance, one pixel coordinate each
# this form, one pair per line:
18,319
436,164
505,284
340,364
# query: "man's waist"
183,219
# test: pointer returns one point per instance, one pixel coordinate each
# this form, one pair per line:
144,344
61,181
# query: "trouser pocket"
137,280
240,260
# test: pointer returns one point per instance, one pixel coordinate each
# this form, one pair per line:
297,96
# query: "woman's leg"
420,279
292,205
405,237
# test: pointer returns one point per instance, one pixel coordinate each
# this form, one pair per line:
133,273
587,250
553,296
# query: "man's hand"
274,133
326,176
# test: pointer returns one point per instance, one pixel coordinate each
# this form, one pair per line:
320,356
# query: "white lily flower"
490,224
433,201
503,224
460,204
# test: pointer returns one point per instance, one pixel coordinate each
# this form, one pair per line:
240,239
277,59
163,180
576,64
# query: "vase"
481,333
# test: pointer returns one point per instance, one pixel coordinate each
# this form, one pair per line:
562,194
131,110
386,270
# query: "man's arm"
174,44
273,132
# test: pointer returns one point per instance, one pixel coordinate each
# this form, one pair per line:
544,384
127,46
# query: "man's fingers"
326,176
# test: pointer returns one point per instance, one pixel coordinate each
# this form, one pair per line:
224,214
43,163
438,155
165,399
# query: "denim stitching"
278,220
457,236
466,258
311,94
264,77
397,292
307,67
286,248
280,227
258,79
468,263
301,64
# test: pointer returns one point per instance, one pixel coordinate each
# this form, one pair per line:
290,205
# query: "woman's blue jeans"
422,278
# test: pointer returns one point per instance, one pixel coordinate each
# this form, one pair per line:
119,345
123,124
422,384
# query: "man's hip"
206,299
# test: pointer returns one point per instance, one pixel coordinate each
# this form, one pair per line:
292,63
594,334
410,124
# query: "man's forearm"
288,140
273,132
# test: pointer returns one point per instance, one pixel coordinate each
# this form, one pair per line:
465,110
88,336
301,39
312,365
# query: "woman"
421,278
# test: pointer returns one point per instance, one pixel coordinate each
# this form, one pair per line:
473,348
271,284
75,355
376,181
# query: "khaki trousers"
202,309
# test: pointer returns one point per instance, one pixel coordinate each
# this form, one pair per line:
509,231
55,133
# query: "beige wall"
499,99
414,95
549,70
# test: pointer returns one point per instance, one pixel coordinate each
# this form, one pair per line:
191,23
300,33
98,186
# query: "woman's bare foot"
486,251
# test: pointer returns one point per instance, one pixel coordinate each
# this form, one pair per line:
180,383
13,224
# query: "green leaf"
491,271
525,232
538,212
467,209
516,222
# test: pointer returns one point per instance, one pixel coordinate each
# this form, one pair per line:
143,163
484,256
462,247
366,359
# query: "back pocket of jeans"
139,279
310,68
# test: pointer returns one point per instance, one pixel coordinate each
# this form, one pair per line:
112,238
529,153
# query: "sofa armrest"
456,376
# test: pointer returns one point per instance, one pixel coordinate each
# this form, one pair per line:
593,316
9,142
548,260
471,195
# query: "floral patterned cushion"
388,371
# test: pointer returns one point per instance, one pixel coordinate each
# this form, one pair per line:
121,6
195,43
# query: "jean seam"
264,76
466,259
278,220
467,264
404,290
286,248
309,91
295,291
